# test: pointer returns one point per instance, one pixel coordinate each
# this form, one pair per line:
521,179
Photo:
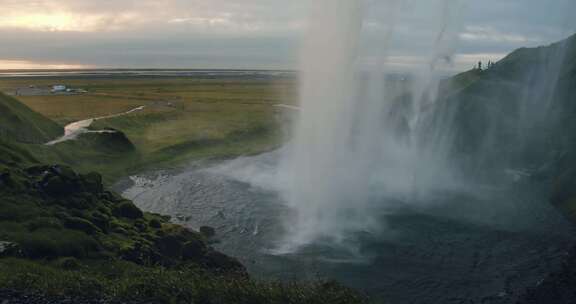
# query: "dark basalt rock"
56,186
142,254
194,250
77,217
221,262
207,231
128,210
59,180
170,245
93,182
65,172
154,223
9,249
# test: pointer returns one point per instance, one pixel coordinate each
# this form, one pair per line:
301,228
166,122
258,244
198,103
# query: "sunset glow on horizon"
30,65
241,34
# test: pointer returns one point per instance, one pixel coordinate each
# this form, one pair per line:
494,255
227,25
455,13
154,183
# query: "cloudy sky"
259,34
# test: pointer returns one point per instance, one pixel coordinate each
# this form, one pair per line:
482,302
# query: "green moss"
81,224
18,122
125,281
128,210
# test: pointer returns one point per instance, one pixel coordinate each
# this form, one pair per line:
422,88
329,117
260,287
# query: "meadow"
184,119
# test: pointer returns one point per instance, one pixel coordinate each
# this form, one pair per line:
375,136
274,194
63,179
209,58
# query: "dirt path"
75,129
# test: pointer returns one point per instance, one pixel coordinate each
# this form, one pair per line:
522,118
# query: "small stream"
460,248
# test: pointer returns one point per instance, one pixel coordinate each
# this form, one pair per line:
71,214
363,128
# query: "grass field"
184,118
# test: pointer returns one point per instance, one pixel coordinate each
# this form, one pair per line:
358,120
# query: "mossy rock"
111,197
155,223
101,220
79,201
170,245
57,186
194,250
127,209
93,182
223,263
10,249
43,223
69,263
141,225
81,224
37,170
52,243
65,172
207,231
141,254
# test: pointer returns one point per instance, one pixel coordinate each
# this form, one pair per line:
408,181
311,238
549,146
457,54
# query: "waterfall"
356,146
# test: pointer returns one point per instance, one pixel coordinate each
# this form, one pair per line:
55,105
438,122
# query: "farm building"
58,88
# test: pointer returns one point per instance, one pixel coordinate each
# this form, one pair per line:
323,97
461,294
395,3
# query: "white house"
58,88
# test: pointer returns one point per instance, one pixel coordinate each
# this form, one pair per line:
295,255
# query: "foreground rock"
66,214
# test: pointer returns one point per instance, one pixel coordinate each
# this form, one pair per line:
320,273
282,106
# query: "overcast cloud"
260,34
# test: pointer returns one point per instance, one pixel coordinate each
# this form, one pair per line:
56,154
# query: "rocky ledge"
55,212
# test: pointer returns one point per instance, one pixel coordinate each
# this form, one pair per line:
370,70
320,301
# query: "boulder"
128,210
56,186
140,253
170,245
37,170
93,182
65,172
207,231
221,262
154,223
9,249
194,250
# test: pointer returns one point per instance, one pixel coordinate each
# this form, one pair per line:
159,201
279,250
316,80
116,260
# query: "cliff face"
518,113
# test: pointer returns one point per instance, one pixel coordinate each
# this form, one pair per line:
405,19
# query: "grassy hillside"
184,119
518,113
18,122
65,236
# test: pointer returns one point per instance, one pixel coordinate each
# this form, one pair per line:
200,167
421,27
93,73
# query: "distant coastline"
142,73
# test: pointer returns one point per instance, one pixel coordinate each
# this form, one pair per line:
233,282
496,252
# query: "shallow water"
456,248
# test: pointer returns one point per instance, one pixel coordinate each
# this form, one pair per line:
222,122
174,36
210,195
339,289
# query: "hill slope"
65,238
20,123
517,114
